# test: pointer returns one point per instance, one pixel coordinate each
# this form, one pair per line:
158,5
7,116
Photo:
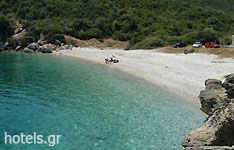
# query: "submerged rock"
216,101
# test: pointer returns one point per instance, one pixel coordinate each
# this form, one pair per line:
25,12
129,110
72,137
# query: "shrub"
207,35
59,37
93,33
191,50
227,40
148,43
50,31
118,35
70,41
34,31
5,28
3,5
212,21
174,39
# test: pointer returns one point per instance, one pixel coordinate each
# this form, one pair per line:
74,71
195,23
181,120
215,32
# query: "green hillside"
219,5
146,24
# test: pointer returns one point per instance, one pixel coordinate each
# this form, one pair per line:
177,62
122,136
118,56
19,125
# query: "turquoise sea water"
93,107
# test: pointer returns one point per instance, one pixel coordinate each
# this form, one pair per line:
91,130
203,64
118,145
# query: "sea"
59,102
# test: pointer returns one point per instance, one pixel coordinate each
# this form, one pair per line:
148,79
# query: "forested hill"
145,24
226,6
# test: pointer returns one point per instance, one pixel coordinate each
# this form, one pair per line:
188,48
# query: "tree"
93,33
5,28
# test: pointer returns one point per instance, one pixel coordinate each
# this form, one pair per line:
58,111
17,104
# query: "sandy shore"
181,74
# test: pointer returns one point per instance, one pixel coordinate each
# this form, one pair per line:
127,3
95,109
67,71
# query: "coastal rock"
62,48
218,130
57,42
230,92
17,40
209,98
3,39
33,46
42,40
5,46
47,48
44,49
230,78
18,30
27,50
212,95
229,85
93,42
18,48
213,84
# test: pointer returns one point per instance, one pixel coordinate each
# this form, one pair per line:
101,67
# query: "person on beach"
107,60
111,60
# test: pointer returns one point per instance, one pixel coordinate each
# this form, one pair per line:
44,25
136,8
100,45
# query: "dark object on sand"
111,60
107,60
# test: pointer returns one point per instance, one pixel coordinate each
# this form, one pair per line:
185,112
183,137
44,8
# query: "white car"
197,45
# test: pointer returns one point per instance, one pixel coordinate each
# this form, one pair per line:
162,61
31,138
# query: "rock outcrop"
47,48
19,42
217,101
42,40
18,30
33,46
229,85
213,95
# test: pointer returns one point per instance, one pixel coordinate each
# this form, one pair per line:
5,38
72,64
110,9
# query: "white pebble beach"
182,74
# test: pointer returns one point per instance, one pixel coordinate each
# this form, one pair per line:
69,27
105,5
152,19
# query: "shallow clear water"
91,106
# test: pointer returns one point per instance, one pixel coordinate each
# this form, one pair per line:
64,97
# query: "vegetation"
146,24
5,28
148,43
226,6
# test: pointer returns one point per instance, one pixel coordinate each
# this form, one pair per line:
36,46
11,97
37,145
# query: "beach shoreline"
181,74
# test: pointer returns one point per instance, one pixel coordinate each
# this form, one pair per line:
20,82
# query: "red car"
212,45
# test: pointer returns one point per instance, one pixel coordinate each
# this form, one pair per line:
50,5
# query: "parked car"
197,45
212,45
179,44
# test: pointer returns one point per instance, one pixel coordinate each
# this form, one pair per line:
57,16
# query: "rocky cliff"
217,101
